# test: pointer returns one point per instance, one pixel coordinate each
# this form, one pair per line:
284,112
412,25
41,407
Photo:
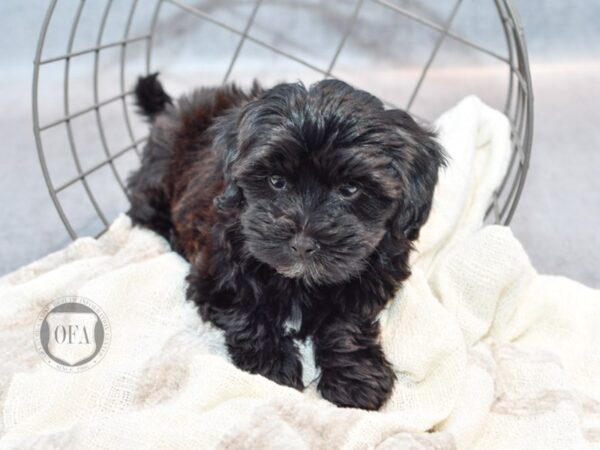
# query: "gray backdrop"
559,214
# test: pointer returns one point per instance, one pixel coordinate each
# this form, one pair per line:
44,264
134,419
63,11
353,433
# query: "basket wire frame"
518,105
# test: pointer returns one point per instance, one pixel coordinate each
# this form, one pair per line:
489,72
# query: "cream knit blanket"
489,354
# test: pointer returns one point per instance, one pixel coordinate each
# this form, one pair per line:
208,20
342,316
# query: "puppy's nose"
303,245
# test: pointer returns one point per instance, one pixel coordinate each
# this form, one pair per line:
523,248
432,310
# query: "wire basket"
422,56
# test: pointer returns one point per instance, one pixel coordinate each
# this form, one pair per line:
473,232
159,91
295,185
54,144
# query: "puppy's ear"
235,135
418,159
227,139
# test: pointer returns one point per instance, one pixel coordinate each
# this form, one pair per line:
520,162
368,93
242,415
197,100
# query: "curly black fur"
290,204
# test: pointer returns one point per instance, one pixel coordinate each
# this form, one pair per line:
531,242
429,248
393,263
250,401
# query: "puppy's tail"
150,97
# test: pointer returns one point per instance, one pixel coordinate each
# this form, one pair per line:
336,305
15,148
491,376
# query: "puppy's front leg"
254,338
354,371
257,346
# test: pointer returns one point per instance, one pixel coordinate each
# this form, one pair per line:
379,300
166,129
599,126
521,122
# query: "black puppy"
291,204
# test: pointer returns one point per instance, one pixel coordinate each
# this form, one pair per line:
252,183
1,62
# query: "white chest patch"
292,325
294,321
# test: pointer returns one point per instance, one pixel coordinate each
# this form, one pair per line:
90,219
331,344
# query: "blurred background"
558,216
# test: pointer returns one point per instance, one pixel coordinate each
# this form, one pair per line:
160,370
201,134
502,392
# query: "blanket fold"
488,353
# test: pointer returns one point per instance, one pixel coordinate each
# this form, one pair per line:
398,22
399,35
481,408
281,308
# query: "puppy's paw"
281,365
363,380
286,370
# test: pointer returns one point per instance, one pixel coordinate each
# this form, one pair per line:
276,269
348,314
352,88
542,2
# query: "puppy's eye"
277,182
348,190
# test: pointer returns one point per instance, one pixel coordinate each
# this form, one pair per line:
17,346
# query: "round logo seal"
72,334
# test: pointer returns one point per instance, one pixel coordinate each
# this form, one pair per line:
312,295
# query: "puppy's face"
324,173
